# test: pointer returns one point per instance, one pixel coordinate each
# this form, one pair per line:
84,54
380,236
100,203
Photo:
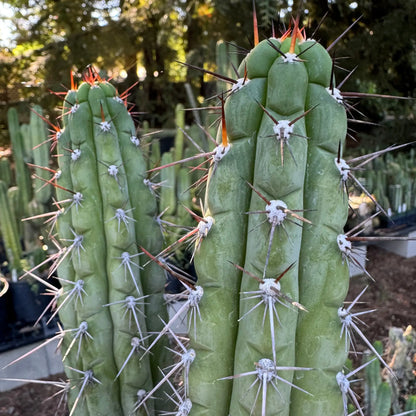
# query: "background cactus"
9,233
378,393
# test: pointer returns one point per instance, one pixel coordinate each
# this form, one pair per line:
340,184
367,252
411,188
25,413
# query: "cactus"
5,171
281,166
9,232
392,180
269,333
378,393
107,212
22,172
40,155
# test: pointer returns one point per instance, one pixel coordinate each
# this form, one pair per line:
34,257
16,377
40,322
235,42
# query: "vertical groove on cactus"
269,334
22,173
103,298
9,231
280,114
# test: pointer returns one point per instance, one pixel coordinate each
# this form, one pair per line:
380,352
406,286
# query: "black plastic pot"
6,313
28,302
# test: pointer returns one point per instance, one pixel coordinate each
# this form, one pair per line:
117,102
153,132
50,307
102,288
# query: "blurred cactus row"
382,391
392,180
22,194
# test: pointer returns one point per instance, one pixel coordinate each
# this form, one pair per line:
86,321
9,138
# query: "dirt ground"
393,294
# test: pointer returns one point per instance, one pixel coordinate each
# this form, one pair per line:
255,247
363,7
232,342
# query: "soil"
392,294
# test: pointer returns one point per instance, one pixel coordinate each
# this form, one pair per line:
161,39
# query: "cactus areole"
240,327
108,305
269,333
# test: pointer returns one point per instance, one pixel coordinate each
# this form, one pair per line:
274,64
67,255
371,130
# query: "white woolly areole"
344,244
204,226
343,382
195,296
112,170
276,211
58,174
343,168
141,394
283,130
135,342
76,154
269,287
120,213
83,326
74,108
336,94
77,198
220,151
290,57
130,300
105,126
135,140
344,316
188,357
241,82
79,284
184,408
266,369
118,99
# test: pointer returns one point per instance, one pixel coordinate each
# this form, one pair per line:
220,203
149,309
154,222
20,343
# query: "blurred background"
140,41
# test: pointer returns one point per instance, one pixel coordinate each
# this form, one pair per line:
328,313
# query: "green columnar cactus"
5,171
107,212
22,173
9,232
378,393
40,154
227,60
278,210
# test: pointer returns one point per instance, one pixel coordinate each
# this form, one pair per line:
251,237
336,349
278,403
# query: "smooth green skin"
410,403
226,201
179,145
22,172
319,277
383,403
221,57
324,277
372,383
40,154
27,142
5,171
13,197
167,190
9,231
378,394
